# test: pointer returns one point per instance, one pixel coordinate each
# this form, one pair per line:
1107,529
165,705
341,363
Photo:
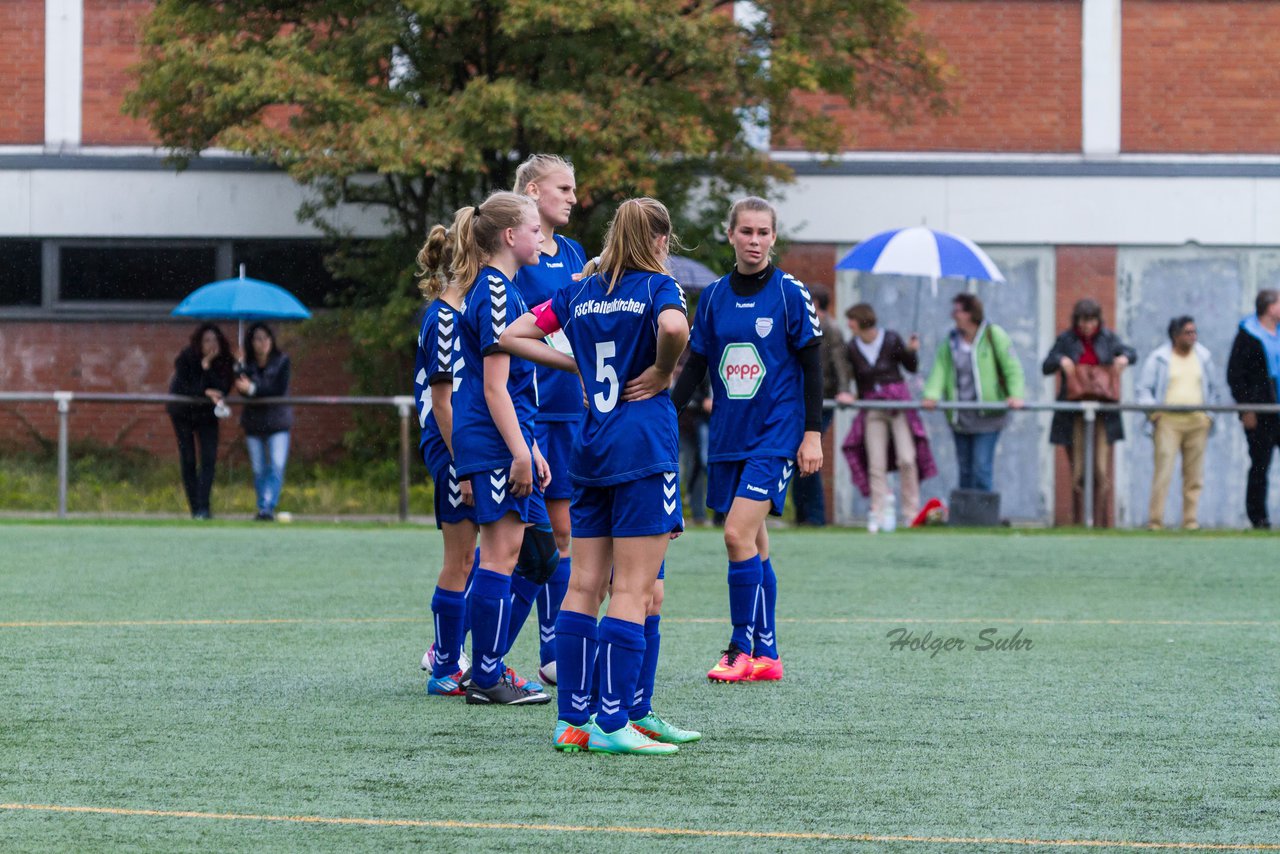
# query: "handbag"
1093,382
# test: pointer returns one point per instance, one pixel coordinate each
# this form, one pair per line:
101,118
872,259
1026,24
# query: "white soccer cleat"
429,659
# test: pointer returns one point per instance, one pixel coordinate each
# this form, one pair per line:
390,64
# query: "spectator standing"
1253,371
975,363
882,440
808,493
203,369
1179,373
1087,343
266,426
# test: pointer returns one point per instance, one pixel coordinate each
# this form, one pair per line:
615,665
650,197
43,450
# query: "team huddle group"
548,414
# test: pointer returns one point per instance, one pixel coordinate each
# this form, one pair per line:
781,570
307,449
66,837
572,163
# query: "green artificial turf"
1147,708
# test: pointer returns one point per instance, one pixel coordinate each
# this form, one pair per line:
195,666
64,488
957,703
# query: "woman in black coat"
203,369
1087,342
266,426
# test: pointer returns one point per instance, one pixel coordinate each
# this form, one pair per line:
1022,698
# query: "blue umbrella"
242,299
921,251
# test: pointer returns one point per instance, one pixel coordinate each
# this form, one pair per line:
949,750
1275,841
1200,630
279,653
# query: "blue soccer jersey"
492,302
750,344
438,361
614,337
559,394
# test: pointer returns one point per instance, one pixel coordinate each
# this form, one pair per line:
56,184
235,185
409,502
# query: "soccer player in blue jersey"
549,181
493,418
627,326
437,373
758,330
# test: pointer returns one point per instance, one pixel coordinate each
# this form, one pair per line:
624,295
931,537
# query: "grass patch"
109,480
1145,710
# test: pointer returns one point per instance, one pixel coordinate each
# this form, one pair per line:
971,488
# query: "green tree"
417,107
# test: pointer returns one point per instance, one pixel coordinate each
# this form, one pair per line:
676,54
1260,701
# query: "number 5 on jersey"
606,400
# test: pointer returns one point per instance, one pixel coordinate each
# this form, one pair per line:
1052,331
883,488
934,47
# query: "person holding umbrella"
238,299
266,426
204,369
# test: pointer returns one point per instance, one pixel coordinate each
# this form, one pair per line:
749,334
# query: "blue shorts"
637,508
494,500
448,501
759,478
556,440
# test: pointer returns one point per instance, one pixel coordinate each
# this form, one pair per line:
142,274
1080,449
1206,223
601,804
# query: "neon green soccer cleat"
659,730
569,738
627,740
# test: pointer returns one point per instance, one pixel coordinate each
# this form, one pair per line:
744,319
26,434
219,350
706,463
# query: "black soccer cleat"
505,693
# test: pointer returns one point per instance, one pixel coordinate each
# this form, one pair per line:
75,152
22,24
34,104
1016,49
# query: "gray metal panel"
1217,287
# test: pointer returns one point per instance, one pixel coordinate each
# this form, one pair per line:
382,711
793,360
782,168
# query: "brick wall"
22,72
111,33
1200,76
1082,271
138,357
1016,83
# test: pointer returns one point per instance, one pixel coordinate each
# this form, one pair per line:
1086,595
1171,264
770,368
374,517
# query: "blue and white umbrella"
920,251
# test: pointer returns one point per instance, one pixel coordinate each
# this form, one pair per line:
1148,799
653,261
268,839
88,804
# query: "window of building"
20,273
111,272
147,278
295,265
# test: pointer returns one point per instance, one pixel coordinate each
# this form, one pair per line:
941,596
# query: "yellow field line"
648,831
291,621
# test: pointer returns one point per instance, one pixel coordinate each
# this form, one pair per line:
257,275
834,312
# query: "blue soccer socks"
744,590
490,615
765,641
621,652
523,594
642,704
466,592
549,608
575,663
449,609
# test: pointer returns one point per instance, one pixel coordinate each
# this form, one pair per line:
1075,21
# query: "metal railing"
405,408
64,399
1089,409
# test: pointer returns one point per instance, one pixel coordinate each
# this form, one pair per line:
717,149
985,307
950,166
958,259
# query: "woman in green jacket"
975,362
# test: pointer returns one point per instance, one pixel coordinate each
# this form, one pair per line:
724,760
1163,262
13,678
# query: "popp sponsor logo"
742,370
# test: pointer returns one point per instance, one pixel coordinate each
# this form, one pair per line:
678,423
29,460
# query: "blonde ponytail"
478,232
